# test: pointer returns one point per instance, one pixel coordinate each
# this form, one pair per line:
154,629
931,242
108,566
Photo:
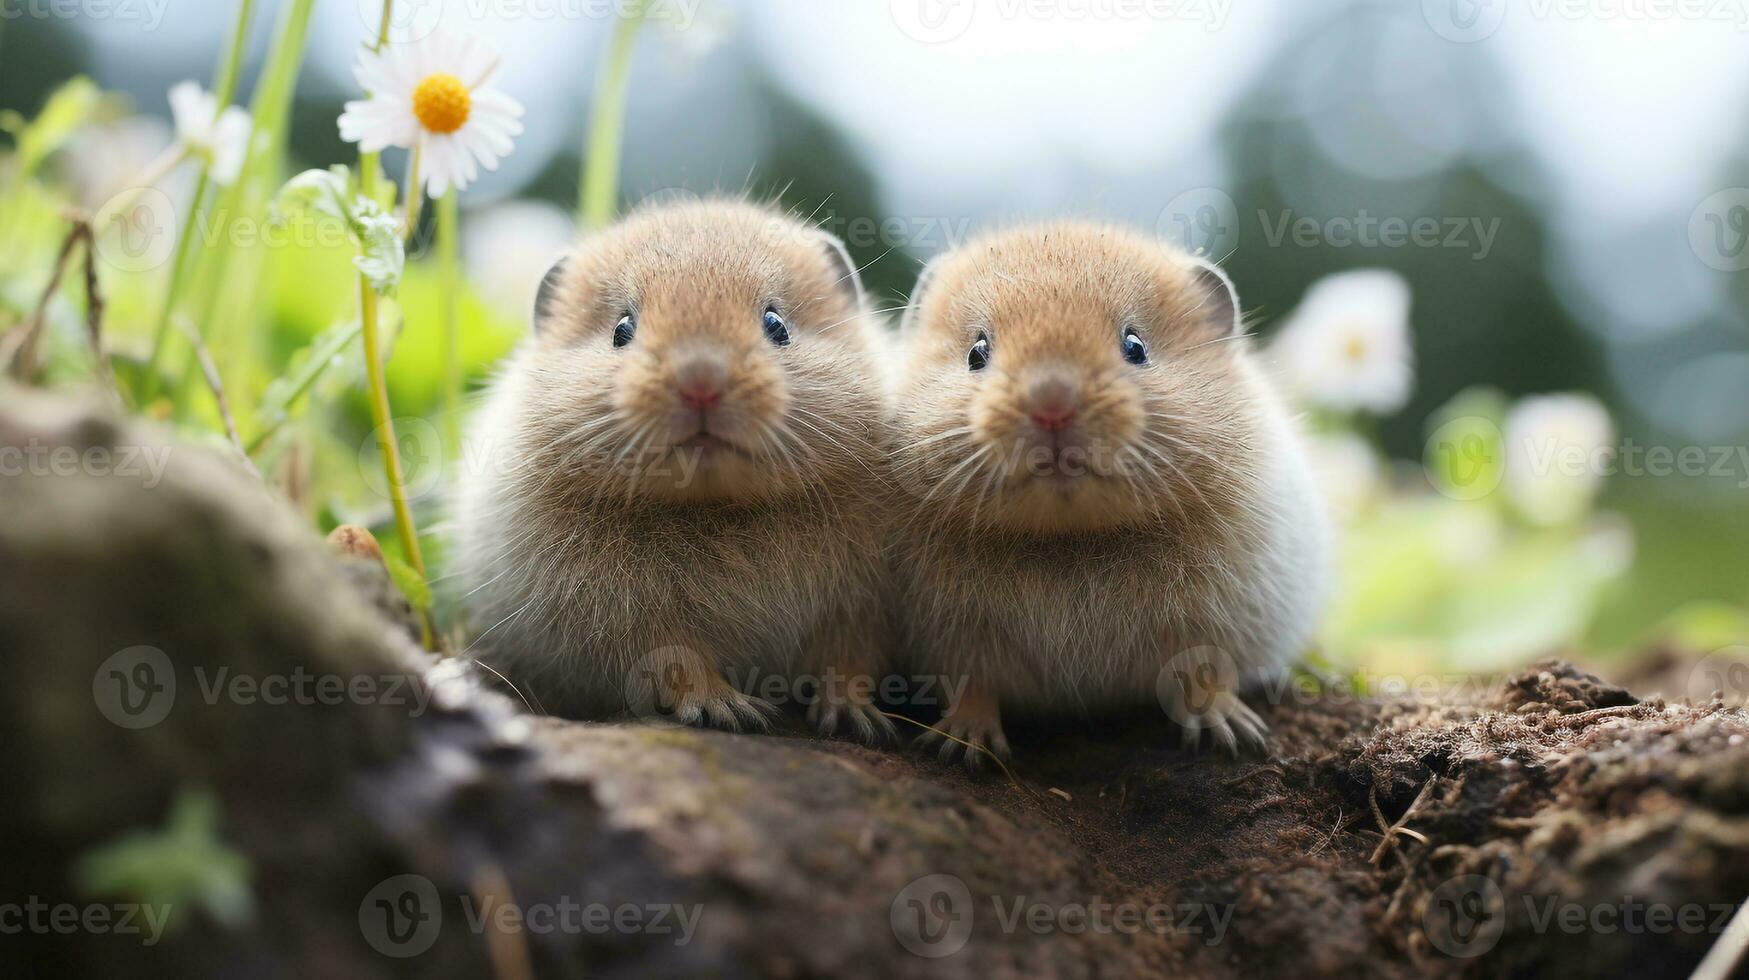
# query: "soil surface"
1544,822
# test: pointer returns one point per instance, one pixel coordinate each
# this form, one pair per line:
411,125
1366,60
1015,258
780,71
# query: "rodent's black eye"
622,332
979,358
776,330
1134,351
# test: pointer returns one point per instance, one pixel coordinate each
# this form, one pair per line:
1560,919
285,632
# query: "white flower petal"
1347,346
192,110
230,145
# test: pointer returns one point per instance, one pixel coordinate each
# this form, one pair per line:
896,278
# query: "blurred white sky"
998,101
978,110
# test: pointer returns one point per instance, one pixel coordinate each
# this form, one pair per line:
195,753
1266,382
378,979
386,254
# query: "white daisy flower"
1558,450
221,137
1347,346
433,97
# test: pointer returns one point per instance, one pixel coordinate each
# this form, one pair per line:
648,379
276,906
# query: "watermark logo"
1718,230
420,447
1194,687
409,20
1465,457
1465,916
135,688
1464,21
1202,220
401,916
662,681
1723,672
932,916
150,13
933,21
136,229
39,917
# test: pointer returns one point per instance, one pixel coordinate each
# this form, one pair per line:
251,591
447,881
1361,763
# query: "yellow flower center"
1355,349
441,103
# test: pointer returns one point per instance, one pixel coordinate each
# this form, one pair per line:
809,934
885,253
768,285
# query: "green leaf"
319,192
410,582
183,865
326,193
304,368
67,108
381,254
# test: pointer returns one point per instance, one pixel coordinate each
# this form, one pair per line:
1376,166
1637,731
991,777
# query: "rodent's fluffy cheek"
1113,410
997,416
643,391
755,400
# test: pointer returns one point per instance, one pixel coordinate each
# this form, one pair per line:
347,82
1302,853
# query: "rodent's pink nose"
700,381
1052,404
701,396
1053,419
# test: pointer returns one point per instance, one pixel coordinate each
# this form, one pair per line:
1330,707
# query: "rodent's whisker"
964,430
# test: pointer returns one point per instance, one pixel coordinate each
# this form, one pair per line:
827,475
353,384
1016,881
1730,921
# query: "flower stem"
227,268
449,275
178,266
598,192
369,170
224,89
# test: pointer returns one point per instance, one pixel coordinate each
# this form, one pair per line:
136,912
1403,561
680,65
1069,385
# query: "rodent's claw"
865,721
731,711
972,738
1231,723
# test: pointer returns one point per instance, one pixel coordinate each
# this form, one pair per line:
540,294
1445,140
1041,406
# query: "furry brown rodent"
675,497
1103,502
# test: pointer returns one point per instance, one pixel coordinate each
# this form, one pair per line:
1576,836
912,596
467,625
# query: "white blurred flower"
435,96
1347,347
222,137
509,247
1347,471
1558,449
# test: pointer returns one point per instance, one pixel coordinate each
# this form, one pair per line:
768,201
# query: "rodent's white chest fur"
566,595
1081,622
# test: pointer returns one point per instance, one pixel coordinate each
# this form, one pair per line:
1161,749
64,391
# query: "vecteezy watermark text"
149,13
39,917
137,688
935,916
403,916
37,458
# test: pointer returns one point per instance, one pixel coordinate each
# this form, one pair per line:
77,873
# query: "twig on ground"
969,748
506,948
18,351
214,382
94,310
1391,831
1720,961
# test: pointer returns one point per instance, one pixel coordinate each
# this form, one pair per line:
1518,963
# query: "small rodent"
679,497
1103,501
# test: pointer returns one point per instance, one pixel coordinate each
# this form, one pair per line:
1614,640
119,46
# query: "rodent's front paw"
726,708
975,733
1229,721
858,718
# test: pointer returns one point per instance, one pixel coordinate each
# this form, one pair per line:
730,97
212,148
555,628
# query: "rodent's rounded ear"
844,269
549,288
924,278
1221,308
